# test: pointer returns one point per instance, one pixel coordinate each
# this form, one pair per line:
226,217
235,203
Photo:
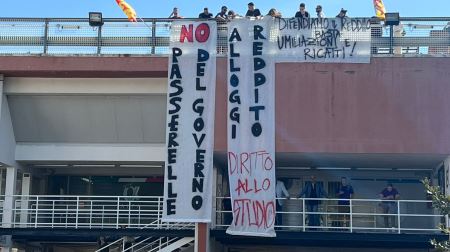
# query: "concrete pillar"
1,90
214,195
201,237
1,181
8,205
10,191
26,187
7,139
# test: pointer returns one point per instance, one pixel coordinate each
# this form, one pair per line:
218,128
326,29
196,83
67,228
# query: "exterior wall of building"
393,105
390,106
7,140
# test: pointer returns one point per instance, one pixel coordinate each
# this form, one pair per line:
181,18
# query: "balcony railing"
69,36
115,212
360,215
89,212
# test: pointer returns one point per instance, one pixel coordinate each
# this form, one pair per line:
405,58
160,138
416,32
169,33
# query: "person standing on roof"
302,13
175,14
222,15
205,14
252,12
319,11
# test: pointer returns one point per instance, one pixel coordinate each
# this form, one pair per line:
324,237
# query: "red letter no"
202,32
185,33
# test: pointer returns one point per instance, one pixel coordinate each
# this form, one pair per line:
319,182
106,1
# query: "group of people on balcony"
253,12
314,191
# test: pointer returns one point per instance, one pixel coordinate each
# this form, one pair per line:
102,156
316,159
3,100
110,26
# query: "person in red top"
390,196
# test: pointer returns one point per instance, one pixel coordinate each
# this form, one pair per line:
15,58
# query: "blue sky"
191,8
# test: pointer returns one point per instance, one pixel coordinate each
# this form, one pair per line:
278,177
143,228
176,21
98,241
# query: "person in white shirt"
281,192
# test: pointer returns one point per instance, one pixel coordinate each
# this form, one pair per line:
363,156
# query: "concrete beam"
83,86
59,152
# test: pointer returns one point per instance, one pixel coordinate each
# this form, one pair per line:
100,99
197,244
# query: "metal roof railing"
415,36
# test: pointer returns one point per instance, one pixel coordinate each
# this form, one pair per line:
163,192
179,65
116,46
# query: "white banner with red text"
188,178
251,128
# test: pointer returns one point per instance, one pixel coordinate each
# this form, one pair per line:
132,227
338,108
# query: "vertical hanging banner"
251,128
190,122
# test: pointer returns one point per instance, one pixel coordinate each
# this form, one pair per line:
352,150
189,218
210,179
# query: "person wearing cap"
319,11
342,13
302,13
390,196
205,14
222,15
252,12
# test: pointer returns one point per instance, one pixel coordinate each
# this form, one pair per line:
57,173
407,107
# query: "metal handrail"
86,211
353,214
48,36
122,238
177,227
71,211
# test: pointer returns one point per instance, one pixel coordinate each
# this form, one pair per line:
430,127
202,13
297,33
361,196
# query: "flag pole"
144,23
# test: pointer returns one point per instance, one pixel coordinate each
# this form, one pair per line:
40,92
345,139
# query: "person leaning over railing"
252,12
233,15
390,196
274,13
342,13
222,15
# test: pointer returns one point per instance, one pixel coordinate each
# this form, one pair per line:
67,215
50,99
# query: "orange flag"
128,10
380,10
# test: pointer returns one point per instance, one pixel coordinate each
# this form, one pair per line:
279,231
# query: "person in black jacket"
252,12
222,15
313,190
342,13
205,14
302,13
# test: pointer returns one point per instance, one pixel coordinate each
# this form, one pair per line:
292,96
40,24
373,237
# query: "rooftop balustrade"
415,36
